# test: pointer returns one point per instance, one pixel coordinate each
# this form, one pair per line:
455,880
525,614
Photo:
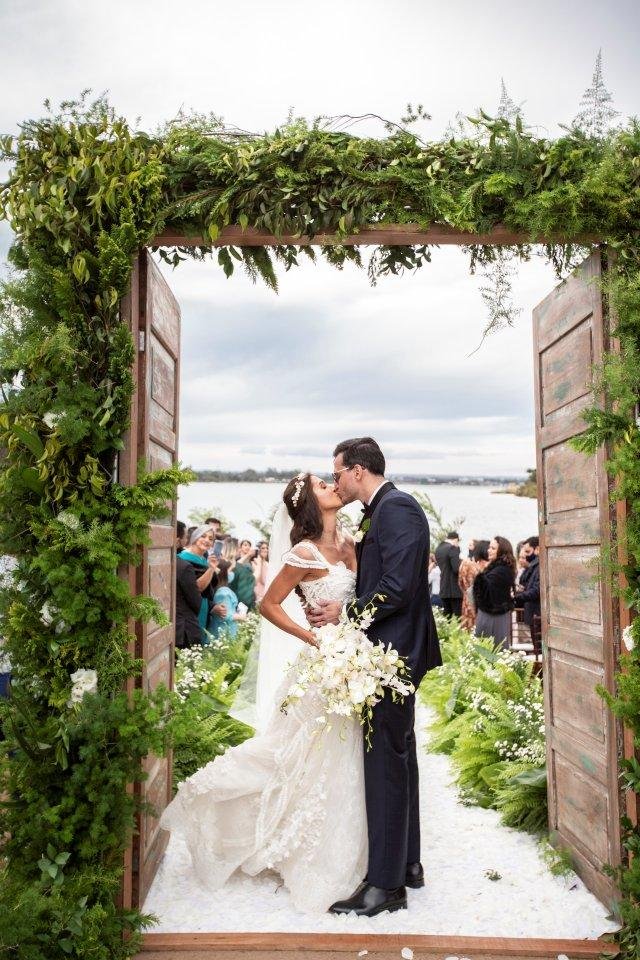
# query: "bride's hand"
311,639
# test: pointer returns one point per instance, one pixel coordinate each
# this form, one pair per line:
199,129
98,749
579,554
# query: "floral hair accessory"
298,490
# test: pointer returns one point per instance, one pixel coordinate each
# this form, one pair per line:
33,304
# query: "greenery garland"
85,192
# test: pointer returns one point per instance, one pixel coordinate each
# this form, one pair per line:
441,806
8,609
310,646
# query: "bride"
291,799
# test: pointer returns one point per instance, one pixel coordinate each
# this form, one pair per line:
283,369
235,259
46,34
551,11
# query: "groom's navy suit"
393,562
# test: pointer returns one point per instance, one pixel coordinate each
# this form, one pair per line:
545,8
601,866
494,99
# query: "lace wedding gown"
290,799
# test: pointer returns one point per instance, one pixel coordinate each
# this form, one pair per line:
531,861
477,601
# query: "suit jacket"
448,559
393,561
530,596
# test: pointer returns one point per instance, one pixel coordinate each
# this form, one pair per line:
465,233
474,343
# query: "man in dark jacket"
188,601
448,559
528,590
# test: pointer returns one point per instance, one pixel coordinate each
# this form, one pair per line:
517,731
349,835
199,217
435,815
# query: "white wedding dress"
290,799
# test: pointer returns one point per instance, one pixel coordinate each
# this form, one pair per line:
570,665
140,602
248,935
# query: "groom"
393,560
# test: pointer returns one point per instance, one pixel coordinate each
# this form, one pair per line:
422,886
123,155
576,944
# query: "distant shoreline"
279,476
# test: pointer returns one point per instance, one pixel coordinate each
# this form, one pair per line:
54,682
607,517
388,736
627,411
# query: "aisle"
460,846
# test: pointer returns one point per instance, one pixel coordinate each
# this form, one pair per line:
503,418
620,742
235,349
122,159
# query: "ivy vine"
84,193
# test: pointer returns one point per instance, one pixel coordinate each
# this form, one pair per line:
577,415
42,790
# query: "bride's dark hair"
302,506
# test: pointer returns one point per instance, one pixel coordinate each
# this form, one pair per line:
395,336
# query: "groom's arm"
402,542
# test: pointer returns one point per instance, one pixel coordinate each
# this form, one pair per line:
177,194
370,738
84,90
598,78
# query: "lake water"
485,513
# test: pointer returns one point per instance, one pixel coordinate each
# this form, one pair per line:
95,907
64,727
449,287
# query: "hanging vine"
84,193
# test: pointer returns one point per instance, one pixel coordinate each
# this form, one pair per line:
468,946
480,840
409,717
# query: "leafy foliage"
82,197
83,194
206,682
490,720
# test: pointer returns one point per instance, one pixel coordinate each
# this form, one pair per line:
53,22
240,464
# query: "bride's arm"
281,586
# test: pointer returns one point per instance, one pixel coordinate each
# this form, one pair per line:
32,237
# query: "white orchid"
83,681
51,419
627,638
348,672
46,614
69,519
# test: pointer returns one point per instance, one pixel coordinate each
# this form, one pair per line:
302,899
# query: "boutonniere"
363,530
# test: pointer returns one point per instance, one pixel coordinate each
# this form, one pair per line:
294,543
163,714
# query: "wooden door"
579,614
154,316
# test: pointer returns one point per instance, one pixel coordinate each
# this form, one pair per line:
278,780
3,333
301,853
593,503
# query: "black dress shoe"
368,901
415,876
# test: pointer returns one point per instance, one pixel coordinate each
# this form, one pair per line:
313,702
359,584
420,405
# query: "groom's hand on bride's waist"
326,611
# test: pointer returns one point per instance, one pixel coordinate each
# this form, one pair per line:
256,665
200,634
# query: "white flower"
84,681
358,536
51,419
69,519
46,614
627,638
406,953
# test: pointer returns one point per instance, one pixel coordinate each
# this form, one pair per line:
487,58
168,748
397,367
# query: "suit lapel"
377,500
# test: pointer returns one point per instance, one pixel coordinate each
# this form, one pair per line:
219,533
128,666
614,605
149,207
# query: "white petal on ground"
459,844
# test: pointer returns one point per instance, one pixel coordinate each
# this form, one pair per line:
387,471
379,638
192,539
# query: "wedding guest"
8,564
528,590
493,593
469,569
224,595
188,605
181,536
200,542
448,559
245,551
216,525
241,579
434,582
261,570
522,552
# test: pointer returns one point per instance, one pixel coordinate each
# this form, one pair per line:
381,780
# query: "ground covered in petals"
483,879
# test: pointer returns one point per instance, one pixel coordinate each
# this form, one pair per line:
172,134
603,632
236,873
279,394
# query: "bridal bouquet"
349,673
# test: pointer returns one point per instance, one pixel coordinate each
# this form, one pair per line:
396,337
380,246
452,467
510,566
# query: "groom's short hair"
364,451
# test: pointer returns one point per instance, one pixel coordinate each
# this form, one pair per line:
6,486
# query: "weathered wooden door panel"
155,322
579,614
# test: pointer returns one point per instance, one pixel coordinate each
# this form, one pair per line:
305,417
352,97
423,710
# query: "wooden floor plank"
323,946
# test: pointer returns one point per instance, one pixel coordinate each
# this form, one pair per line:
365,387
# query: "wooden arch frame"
194,946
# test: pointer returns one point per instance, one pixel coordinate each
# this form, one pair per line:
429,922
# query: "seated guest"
493,593
188,605
226,597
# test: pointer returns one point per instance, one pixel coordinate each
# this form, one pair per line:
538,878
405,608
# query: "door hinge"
141,341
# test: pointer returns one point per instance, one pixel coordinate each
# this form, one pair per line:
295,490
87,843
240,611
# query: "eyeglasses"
336,475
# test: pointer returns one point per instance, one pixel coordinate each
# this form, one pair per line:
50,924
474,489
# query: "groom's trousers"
392,793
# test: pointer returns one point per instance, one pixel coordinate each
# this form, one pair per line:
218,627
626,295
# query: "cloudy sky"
276,380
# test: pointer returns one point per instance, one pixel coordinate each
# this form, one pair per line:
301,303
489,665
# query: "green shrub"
490,720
